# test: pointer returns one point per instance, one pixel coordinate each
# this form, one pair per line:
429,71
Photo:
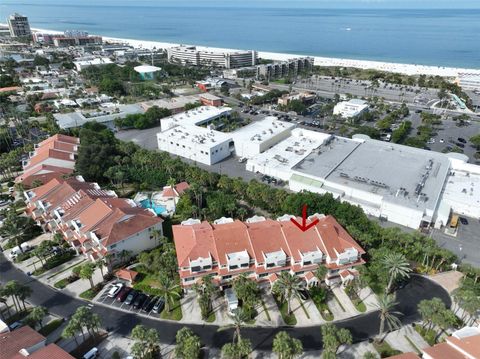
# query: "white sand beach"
408,69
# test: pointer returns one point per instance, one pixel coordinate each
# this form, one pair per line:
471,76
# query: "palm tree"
157,235
321,272
240,319
397,266
4,301
286,347
36,316
168,291
287,286
124,256
386,305
99,263
87,272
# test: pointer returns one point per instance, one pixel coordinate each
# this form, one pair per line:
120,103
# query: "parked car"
25,247
459,144
232,301
462,140
122,295
303,293
139,300
158,307
91,354
131,297
146,302
463,220
150,305
242,159
116,288
16,325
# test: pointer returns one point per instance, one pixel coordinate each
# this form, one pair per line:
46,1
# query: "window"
189,279
233,267
270,265
306,263
226,277
263,275
196,269
244,265
207,267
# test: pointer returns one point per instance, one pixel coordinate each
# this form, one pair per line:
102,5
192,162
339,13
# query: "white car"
442,140
112,293
242,159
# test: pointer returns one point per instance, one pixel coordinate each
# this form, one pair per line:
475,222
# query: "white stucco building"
351,108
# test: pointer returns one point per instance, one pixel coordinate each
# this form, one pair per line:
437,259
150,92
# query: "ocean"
443,37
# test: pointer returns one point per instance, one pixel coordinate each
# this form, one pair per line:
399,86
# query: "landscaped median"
320,296
282,305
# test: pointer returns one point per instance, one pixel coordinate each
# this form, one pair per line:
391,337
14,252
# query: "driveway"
362,327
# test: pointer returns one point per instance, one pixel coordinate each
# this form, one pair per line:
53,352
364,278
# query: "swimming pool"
157,208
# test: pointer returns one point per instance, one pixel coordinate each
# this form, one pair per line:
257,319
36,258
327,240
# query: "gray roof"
77,119
408,176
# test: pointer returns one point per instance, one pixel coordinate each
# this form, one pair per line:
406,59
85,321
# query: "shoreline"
406,69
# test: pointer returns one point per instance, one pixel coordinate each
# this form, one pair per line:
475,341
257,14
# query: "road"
362,326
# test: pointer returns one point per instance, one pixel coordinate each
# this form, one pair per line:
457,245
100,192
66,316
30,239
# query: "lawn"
428,334
385,350
211,317
360,306
62,283
175,311
92,292
50,327
289,319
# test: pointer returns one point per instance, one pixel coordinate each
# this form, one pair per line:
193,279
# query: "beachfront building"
52,158
263,248
404,185
191,55
351,108
468,81
18,25
92,220
281,69
147,72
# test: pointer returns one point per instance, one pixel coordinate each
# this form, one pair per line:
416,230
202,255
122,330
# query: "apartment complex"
18,25
191,55
289,68
93,221
53,158
263,248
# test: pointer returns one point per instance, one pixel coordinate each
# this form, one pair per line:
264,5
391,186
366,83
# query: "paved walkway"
398,339
369,299
276,319
82,285
191,308
310,308
449,280
345,301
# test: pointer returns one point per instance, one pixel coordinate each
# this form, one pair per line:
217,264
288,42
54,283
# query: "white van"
91,354
16,250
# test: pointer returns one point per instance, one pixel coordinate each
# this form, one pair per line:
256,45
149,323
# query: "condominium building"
18,25
51,158
191,55
263,248
92,220
468,81
284,68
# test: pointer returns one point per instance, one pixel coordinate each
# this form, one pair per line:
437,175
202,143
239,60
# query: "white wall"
138,242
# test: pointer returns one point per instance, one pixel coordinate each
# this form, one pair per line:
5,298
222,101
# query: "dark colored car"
462,140
463,220
303,293
122,295
131,297
139,300
151,304
158,307
146,303
459,144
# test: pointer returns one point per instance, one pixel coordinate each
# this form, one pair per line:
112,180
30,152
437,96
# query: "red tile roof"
51,351
230,238
470,344
11,343
443,351
126,274
409,355
266,237
34,170
176,191
194,241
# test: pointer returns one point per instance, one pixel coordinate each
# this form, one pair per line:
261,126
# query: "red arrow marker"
304,225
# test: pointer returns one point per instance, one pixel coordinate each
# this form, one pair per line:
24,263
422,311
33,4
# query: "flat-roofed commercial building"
196,143
263,248
191,55
18,25
259,136
351,108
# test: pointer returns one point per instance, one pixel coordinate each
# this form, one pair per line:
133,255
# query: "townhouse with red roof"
263,248
52,158
93,221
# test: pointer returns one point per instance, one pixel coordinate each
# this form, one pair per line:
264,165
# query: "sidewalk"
344,299
398,339
191,309
273,312
369,299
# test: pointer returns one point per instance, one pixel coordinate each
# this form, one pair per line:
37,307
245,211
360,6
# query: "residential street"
362,326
